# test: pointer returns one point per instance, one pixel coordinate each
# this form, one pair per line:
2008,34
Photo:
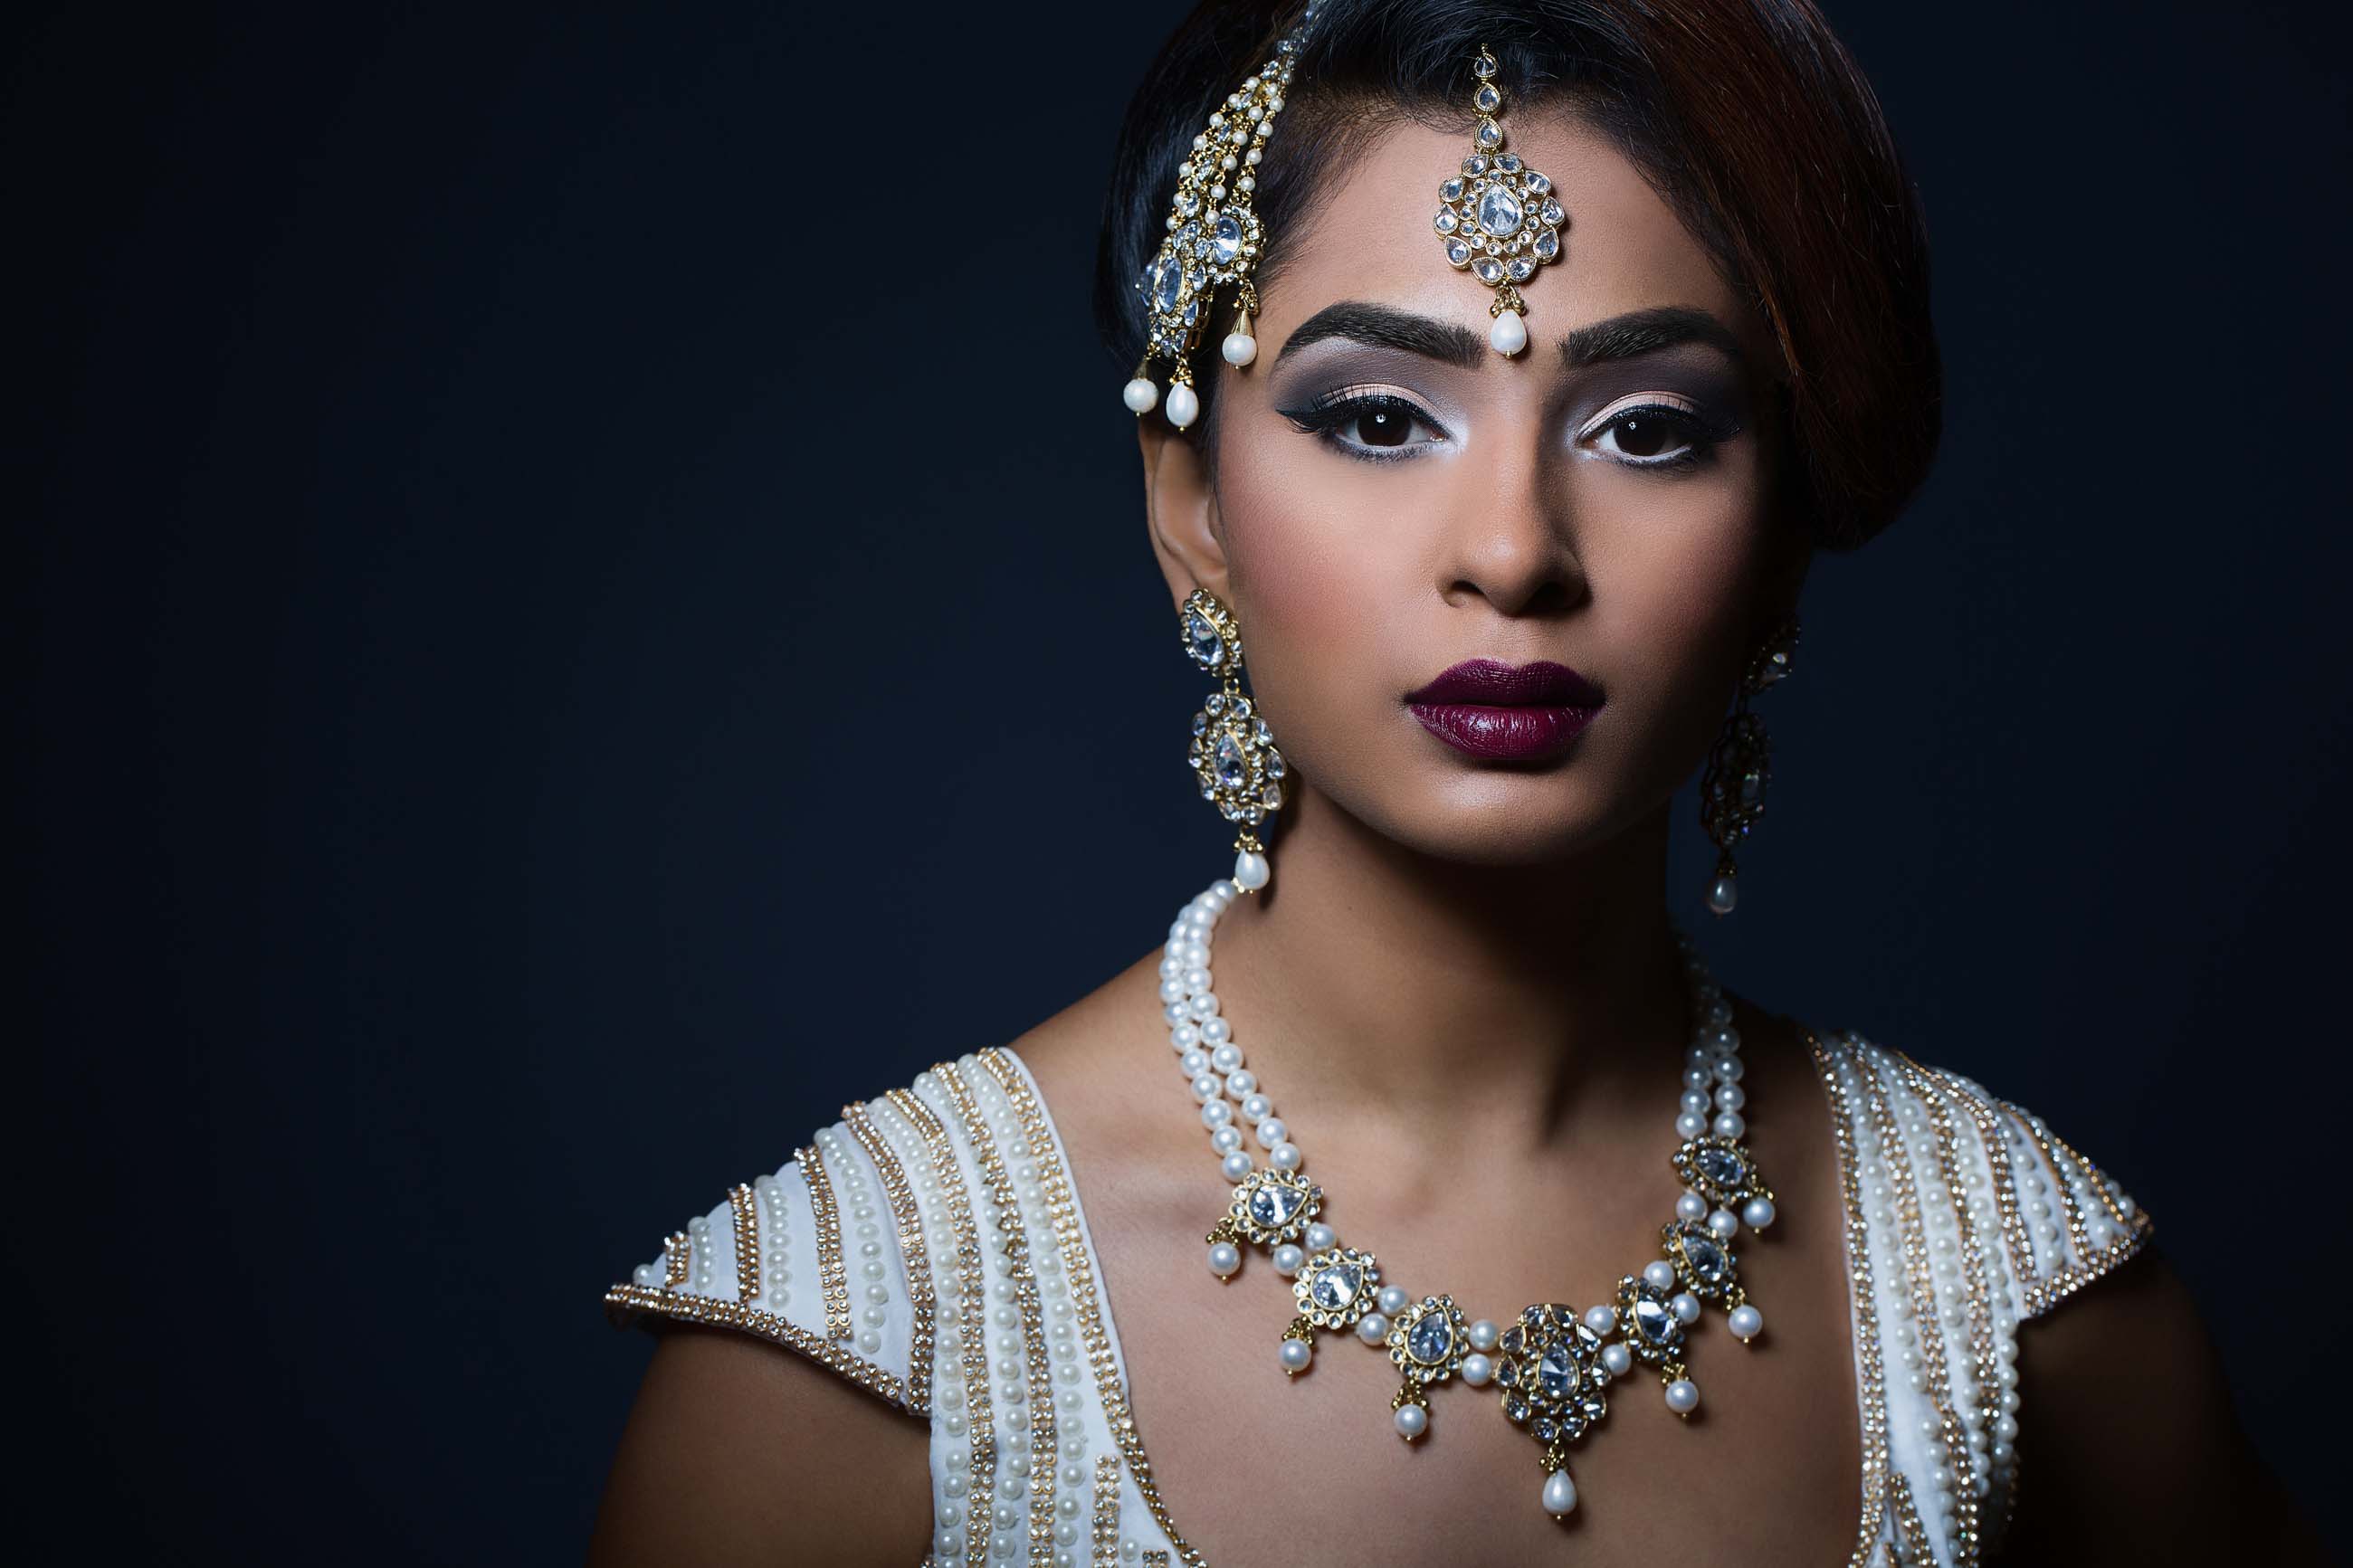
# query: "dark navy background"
557,657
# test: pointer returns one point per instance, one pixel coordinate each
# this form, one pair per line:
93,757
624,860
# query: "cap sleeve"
811,1258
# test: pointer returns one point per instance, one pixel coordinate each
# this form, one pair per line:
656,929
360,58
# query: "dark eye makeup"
1369,423
1380,424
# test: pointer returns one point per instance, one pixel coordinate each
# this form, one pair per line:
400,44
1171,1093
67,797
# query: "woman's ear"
1180,509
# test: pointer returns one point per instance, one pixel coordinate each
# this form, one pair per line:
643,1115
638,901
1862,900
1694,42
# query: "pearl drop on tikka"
1509,335
1239,348
1139,395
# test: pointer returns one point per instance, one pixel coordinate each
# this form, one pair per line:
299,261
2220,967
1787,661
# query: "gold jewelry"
1214,238
1501,220
1232,754
1740,764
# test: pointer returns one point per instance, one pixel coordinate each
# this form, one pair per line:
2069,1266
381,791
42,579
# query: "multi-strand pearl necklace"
1552,1365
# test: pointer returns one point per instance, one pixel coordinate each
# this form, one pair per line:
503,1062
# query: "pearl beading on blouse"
1967,1214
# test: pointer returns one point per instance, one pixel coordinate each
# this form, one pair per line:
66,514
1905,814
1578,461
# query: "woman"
1499,370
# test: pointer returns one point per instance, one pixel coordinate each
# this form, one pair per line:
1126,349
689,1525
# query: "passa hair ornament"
1214,238
1501,220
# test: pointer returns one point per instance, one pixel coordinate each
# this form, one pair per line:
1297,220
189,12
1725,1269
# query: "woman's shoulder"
1930,1149
828,1254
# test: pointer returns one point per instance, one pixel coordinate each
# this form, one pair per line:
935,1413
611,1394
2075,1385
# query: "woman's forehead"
1369,235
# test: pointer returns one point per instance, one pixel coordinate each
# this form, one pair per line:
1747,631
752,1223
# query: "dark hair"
1748,116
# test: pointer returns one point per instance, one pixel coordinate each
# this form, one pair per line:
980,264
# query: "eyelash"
1328,414
1699,439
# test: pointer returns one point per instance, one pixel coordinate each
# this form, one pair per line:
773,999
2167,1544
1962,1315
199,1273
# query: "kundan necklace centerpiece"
1551,1367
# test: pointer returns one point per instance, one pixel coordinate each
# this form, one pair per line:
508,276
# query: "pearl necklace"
1552,1365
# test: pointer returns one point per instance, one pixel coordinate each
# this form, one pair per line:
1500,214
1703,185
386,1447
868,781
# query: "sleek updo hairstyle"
1748,116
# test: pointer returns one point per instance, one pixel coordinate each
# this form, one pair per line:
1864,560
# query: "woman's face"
1394,498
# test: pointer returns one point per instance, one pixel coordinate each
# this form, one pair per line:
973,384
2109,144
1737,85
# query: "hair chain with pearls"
1552,1366
1214,240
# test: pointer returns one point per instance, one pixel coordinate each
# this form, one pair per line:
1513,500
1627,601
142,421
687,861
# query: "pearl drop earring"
1740,764
1232,753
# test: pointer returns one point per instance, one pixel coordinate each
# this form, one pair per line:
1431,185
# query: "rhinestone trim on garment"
832,1273
920,1294
622,1299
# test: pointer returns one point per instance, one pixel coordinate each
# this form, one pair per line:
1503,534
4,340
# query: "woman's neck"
1497,1001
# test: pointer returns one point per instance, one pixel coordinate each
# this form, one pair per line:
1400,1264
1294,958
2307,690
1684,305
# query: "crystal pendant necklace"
1552,1366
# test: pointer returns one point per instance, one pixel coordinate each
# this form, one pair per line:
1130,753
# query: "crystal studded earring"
1233,754
1740,764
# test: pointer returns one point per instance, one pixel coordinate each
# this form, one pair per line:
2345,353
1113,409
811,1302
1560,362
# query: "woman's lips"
1506,712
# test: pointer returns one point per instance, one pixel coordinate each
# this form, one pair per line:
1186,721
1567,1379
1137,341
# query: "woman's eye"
1382,426
1655,436
1377,426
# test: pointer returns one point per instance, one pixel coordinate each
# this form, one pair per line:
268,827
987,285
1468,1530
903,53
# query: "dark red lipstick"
1506,712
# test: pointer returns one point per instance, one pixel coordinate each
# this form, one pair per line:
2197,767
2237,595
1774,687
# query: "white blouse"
874,1251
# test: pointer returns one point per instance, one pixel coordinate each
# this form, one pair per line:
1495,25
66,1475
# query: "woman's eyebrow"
1618,337
1647,332
1383,327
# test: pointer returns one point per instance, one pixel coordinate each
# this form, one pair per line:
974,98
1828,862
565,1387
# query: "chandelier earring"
1740,764
1233,754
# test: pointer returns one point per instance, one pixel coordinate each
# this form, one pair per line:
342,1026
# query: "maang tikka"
1214,238
1499,220
1232,753
1740,764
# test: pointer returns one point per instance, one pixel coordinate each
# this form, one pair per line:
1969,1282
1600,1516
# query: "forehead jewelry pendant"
1499,220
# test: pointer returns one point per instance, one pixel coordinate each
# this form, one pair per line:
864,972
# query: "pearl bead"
1286,1156
1139,395
1225,1258
1683,1396
1509,335
1746,1324
1184,407
1616,1359
1477,1369
1372,1327
1226,1139
1725,1223
1236,1166
1659,1274
1296,1354
1729,1125
1412,1421
1240,349
1287,1259
1217,1113
1757,1212
1721,893
1250,869
1690,1207
1559,1491
1691,1124
1684,1306
1601,1320
1208,1087
1393,1300
1485,1335
1321,1235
